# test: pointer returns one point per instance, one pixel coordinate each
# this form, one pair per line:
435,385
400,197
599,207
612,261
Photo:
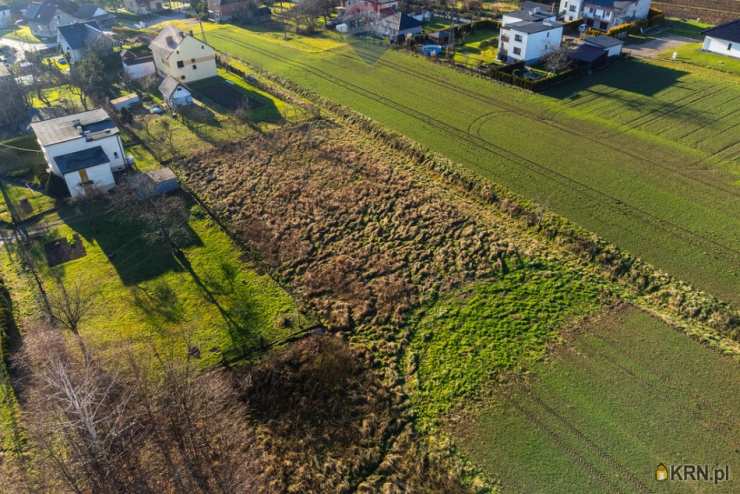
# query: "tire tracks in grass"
567,183
561,442
538,118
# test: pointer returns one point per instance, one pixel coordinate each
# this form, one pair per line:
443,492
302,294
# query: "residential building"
605,14
6,16
527,41
724,39
175,94
376,6
125,102
532,14
75,40
137,65
396,26
45,17
84,149
612,46
589,55
182,57
143,7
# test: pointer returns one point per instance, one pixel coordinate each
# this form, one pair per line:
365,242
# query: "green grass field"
479,47
600,415
692,53
643,154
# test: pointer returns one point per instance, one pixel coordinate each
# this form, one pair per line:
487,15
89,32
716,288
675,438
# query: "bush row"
665,291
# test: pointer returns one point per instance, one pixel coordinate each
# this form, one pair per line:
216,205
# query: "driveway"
651,49
22,47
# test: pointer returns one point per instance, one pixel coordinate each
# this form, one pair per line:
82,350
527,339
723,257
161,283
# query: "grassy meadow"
643,154
626,394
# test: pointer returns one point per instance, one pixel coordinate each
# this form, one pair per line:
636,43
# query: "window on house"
517,51
517,37
115,154
729,46
180,64
572,8
182,77
195,66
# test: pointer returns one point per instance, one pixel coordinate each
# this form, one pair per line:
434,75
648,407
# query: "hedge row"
678,298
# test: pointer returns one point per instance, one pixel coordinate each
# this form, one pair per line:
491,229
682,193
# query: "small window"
517,51
729,46
180,64
192,60
517,37
182,77
115,154
572,8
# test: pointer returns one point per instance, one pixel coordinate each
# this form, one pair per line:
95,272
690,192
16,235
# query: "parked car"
155,109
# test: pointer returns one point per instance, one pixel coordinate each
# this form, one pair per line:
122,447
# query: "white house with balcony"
84,149
182,57
604,14
527,41
723,39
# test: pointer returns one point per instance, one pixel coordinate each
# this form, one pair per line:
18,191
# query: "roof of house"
132,58
79,35
600,3
408,22
587,53
78,160
41,11
126,98
729,31
168,39
55,130
533,27
604,41
529,15
168,86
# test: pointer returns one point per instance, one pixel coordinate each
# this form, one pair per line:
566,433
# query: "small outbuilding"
126,101
724,39
155,182
137,65
589,55
175,94
612,46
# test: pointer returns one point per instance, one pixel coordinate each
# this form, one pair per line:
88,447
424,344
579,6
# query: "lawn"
690,28
144,298
24,34
692,53
479,47
625,395
28,202
467,338
643,154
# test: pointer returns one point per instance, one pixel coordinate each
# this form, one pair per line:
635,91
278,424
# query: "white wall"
190,49
719,46
139,70
6,18
533,46
100,176
567,13
111,145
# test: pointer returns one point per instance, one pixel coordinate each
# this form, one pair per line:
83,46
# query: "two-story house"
529,35
182,57
604,14
84,149
75,40
45,17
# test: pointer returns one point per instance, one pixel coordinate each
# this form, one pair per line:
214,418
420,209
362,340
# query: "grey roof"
532,27
168,86
530,15
168,39
587,53
729,31
41,12
81,34
604,41
94,123
72,162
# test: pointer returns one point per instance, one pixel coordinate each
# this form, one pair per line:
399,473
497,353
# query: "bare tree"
557,61
69,306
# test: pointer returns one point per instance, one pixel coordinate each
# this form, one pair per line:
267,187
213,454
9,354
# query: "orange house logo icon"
661,473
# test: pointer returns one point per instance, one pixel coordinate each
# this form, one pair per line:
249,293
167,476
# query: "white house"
174,93
137,66
6,16
45,17
84,149
724,39
604,14
182,57
397,25
526,41
143,7
75,40
612,46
